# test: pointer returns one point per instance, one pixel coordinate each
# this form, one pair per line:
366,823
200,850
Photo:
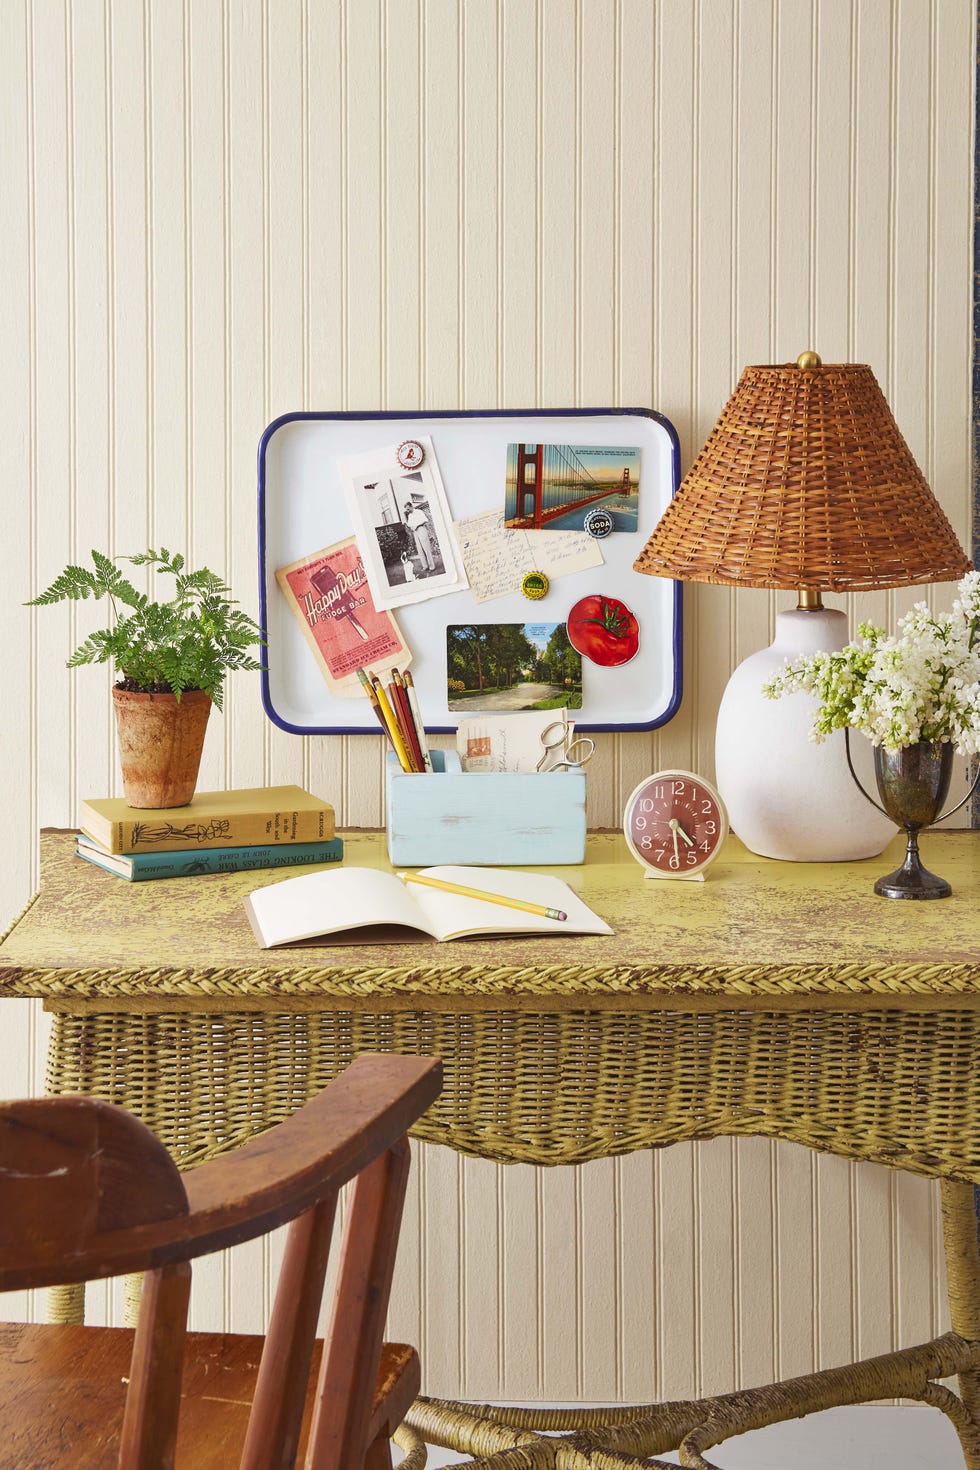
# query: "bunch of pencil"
399,716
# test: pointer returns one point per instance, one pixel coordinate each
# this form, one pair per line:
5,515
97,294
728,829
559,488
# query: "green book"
136,867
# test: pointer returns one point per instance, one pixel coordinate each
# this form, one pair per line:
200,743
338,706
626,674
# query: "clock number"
646,841
677,788
640,824
674,860
691,856
704,846
710,828
706,808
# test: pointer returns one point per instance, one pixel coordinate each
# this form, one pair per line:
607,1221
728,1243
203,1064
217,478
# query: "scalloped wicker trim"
896,1087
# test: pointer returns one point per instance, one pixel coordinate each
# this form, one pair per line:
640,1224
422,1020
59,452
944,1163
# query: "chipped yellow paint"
755,933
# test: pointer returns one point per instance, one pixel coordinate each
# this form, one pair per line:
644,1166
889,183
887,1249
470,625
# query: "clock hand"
677,829
673,828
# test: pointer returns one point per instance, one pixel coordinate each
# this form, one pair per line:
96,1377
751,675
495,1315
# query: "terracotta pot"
160,744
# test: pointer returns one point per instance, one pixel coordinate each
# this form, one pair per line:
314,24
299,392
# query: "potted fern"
171,659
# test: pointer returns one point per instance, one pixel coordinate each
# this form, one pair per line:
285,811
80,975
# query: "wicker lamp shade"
805,481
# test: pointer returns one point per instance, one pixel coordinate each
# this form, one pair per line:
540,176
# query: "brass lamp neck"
809,599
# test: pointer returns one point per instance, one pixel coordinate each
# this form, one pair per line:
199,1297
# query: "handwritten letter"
496,559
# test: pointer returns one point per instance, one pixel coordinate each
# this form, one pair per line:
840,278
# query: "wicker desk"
776,999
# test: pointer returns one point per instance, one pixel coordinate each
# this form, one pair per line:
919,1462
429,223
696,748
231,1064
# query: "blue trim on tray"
301,415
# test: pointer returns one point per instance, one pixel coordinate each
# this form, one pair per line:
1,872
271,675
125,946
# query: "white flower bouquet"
922,684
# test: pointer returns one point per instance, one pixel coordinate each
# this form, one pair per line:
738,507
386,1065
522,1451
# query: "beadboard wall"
216,211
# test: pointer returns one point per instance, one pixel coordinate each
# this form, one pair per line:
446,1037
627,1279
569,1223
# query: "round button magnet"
598,523
410,454
534,585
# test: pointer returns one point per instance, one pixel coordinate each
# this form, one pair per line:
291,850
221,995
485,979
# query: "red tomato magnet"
603,629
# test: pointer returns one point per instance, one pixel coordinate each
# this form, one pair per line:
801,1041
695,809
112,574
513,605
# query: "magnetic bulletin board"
303,506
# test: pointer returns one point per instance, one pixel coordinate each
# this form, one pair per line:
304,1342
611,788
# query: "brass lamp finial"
808,360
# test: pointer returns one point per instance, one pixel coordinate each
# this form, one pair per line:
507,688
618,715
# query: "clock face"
675,823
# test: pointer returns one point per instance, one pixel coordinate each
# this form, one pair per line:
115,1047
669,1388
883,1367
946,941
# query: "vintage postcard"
495,563
502,666
330,599
511,742
403,526
557,486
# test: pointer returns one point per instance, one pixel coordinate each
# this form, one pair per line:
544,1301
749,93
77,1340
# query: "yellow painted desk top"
756,933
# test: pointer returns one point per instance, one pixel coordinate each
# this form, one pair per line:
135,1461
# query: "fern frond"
73,584
97,649
126,593
107,574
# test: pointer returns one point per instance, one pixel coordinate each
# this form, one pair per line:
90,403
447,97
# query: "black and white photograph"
403,528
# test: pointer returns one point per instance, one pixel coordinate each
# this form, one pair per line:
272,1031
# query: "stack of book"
217,832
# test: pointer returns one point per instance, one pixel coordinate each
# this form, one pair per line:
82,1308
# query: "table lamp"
805,482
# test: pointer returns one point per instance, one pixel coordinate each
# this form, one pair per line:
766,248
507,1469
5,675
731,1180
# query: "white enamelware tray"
302,508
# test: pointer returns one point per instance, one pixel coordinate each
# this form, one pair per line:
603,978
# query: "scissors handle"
577,754
553,737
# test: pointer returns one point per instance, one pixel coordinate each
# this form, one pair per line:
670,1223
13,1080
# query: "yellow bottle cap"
534,585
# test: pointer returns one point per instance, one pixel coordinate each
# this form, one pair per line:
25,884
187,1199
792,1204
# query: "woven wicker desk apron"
774,998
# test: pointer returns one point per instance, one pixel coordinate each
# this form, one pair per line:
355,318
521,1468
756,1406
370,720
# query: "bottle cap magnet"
598,523
410,454
534,585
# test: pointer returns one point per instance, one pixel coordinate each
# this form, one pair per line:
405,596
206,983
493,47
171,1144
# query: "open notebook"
372,907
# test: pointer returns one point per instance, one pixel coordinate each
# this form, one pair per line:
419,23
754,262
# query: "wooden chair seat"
63,1394
88,1192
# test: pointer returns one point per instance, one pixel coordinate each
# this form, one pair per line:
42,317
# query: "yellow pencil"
508,903
393,727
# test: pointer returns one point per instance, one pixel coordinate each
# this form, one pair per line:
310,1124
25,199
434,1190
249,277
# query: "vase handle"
857,782
973,787
857,779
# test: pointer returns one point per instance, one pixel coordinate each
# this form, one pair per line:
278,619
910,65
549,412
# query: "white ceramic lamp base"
787,797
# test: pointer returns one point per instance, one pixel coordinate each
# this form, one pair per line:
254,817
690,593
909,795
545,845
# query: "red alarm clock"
675,824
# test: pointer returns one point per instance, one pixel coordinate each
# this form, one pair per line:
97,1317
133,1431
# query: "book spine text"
248,829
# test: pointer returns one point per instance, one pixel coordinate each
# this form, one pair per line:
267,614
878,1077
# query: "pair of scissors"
571,755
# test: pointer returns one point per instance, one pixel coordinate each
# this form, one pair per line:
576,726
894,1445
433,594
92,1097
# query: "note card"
496,559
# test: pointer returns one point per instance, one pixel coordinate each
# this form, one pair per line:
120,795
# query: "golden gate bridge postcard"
554,486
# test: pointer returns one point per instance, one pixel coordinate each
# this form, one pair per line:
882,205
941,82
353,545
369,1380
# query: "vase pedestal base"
904,883
912,880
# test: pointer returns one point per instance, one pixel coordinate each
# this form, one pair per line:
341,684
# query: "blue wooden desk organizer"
456,816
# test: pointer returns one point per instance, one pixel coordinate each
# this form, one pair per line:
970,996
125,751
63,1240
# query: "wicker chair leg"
961,1234
937,1396
66,1303
413,1450
602,1439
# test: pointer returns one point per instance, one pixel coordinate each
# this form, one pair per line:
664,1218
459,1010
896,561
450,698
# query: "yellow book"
263,815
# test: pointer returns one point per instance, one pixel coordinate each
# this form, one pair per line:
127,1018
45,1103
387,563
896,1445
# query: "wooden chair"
87,1191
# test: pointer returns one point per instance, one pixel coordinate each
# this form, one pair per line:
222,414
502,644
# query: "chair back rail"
230,1199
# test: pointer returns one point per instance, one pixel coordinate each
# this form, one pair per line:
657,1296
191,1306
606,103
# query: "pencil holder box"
456,816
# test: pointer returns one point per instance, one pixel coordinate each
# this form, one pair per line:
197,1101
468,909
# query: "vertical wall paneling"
247,405
481,323
221,213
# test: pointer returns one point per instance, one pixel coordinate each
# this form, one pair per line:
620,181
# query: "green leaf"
73,584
